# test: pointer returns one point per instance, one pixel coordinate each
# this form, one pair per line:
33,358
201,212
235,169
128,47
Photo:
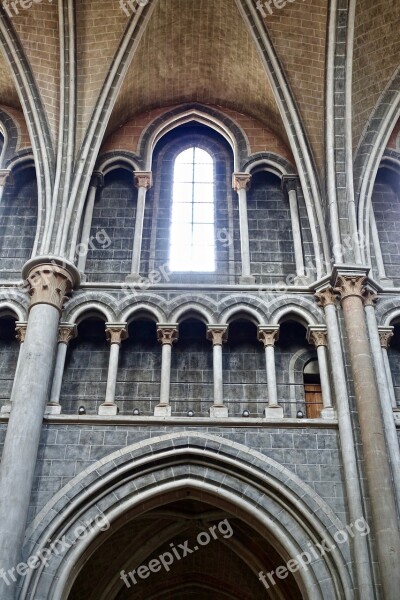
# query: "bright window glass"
192,237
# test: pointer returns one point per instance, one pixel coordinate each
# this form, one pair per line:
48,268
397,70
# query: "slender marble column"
96,182
363,567
317,336
143,182
5,177
218,335
385,335
167,335
66,333
350,285
289,183
49,280
268,334
241,183
20,330
116,333
370,297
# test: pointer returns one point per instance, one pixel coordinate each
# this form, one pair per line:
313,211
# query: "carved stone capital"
317,336
370,297
97,179
289,183
217,334
268,334
325,297
20,331
241,181
66,333
167,334
5,177
116,332
143,179
350,285
385,335
49,280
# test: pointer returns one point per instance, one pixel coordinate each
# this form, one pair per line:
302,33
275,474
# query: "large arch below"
276,515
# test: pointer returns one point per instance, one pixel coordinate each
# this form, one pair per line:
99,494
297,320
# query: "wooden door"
313,394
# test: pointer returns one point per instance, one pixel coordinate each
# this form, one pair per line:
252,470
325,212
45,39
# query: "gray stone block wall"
311,453
9,351
386,205
18,219
110,255
270,230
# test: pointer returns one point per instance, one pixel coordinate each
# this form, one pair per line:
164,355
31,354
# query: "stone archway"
166,491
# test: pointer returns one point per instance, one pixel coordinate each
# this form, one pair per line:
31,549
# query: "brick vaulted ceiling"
201,51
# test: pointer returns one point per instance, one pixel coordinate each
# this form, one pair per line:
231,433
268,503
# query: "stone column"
66,333
49,280
20,329
5,177
289,184
268,334
317,336
143,182
96,182
370,297
385,335
350,285
116,333
166,335
363,567
241,183
218,335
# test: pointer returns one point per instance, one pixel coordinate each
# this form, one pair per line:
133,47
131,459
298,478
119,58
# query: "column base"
53,409
133,277
273,412
162,410
107,410
328,413
247,279
5,409
218,411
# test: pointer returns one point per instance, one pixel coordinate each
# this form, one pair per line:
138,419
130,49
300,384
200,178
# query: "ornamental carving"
385,335
66,333
317,338
325,297
167,334
217,334
143,179
268,335
49,284
289,183
241,181
115,334
370,297
347,286
20,332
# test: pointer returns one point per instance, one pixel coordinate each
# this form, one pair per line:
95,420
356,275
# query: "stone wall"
386,205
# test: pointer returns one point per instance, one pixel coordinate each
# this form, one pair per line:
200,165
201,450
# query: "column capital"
217,334
6,176
167,333
20,331
370,296
143,179
241,181
268,334
385,335
116,332
325,297
289,183
317,335
349,280
49,279
97,179
66,333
